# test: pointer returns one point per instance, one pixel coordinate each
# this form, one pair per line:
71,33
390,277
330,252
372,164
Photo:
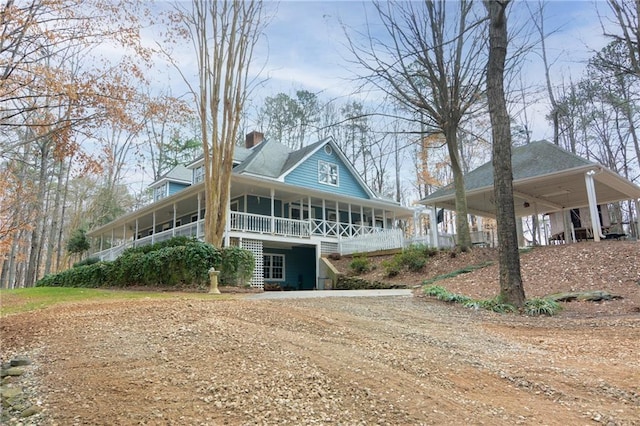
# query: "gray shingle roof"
179,172
532,160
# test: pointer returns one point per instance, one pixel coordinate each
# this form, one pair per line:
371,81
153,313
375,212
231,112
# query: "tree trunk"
36,240
56,218
511,289
462,223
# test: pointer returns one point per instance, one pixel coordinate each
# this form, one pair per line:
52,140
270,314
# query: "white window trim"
162,191
198,174
284,269
327,176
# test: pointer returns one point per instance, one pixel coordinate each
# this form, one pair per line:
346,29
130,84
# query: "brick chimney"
253,139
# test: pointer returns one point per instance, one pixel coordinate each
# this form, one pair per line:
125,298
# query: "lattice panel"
328,248
255,247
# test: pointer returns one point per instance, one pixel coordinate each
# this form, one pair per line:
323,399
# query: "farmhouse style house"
289,207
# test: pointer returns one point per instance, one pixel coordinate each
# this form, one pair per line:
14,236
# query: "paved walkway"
327,293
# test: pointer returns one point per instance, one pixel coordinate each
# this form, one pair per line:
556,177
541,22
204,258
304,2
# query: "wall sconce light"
526,204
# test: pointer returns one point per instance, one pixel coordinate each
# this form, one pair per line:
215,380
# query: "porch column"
433,228
227,226
272,193
324,218
135,237
173,229
351,233
361,230
198,217
112,238
593,205
124,234
101,241
153,230
384,219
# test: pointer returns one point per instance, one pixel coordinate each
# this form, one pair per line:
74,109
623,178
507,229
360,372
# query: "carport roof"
546,178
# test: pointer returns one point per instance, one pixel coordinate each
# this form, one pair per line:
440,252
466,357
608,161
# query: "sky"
304,47
307,46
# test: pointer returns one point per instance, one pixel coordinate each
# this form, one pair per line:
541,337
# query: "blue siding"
300,269
306,175
263,206
176,187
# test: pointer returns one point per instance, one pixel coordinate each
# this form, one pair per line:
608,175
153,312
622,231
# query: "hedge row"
177,263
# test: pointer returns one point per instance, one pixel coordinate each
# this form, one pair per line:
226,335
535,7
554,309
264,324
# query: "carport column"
637,203
433,226
593,204
566,226
520,231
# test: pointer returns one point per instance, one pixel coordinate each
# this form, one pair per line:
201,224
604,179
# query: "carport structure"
546,179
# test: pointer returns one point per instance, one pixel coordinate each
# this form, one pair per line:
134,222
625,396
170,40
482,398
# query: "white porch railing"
326,228
354,237
390,239
247,222
383,240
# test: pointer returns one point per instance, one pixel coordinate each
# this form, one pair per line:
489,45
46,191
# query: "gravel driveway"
393,360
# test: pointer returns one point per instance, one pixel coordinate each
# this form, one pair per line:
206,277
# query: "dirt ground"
348,361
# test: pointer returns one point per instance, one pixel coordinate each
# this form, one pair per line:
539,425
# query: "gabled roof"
299,155
179,174
265,159
543,174
240,153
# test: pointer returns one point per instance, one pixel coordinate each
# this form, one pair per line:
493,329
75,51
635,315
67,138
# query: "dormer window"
198,174
328,173
161,192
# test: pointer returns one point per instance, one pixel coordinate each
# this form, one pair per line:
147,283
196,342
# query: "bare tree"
627,16
431,63
511,289
224,34
554,114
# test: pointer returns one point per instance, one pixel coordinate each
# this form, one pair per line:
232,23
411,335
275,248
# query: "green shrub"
360,265
90,276
236,266
496,305
179,262
536,307
87,261
413,259
392,267
443,294
173,242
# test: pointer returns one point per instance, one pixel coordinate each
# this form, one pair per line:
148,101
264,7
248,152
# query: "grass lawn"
29,299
